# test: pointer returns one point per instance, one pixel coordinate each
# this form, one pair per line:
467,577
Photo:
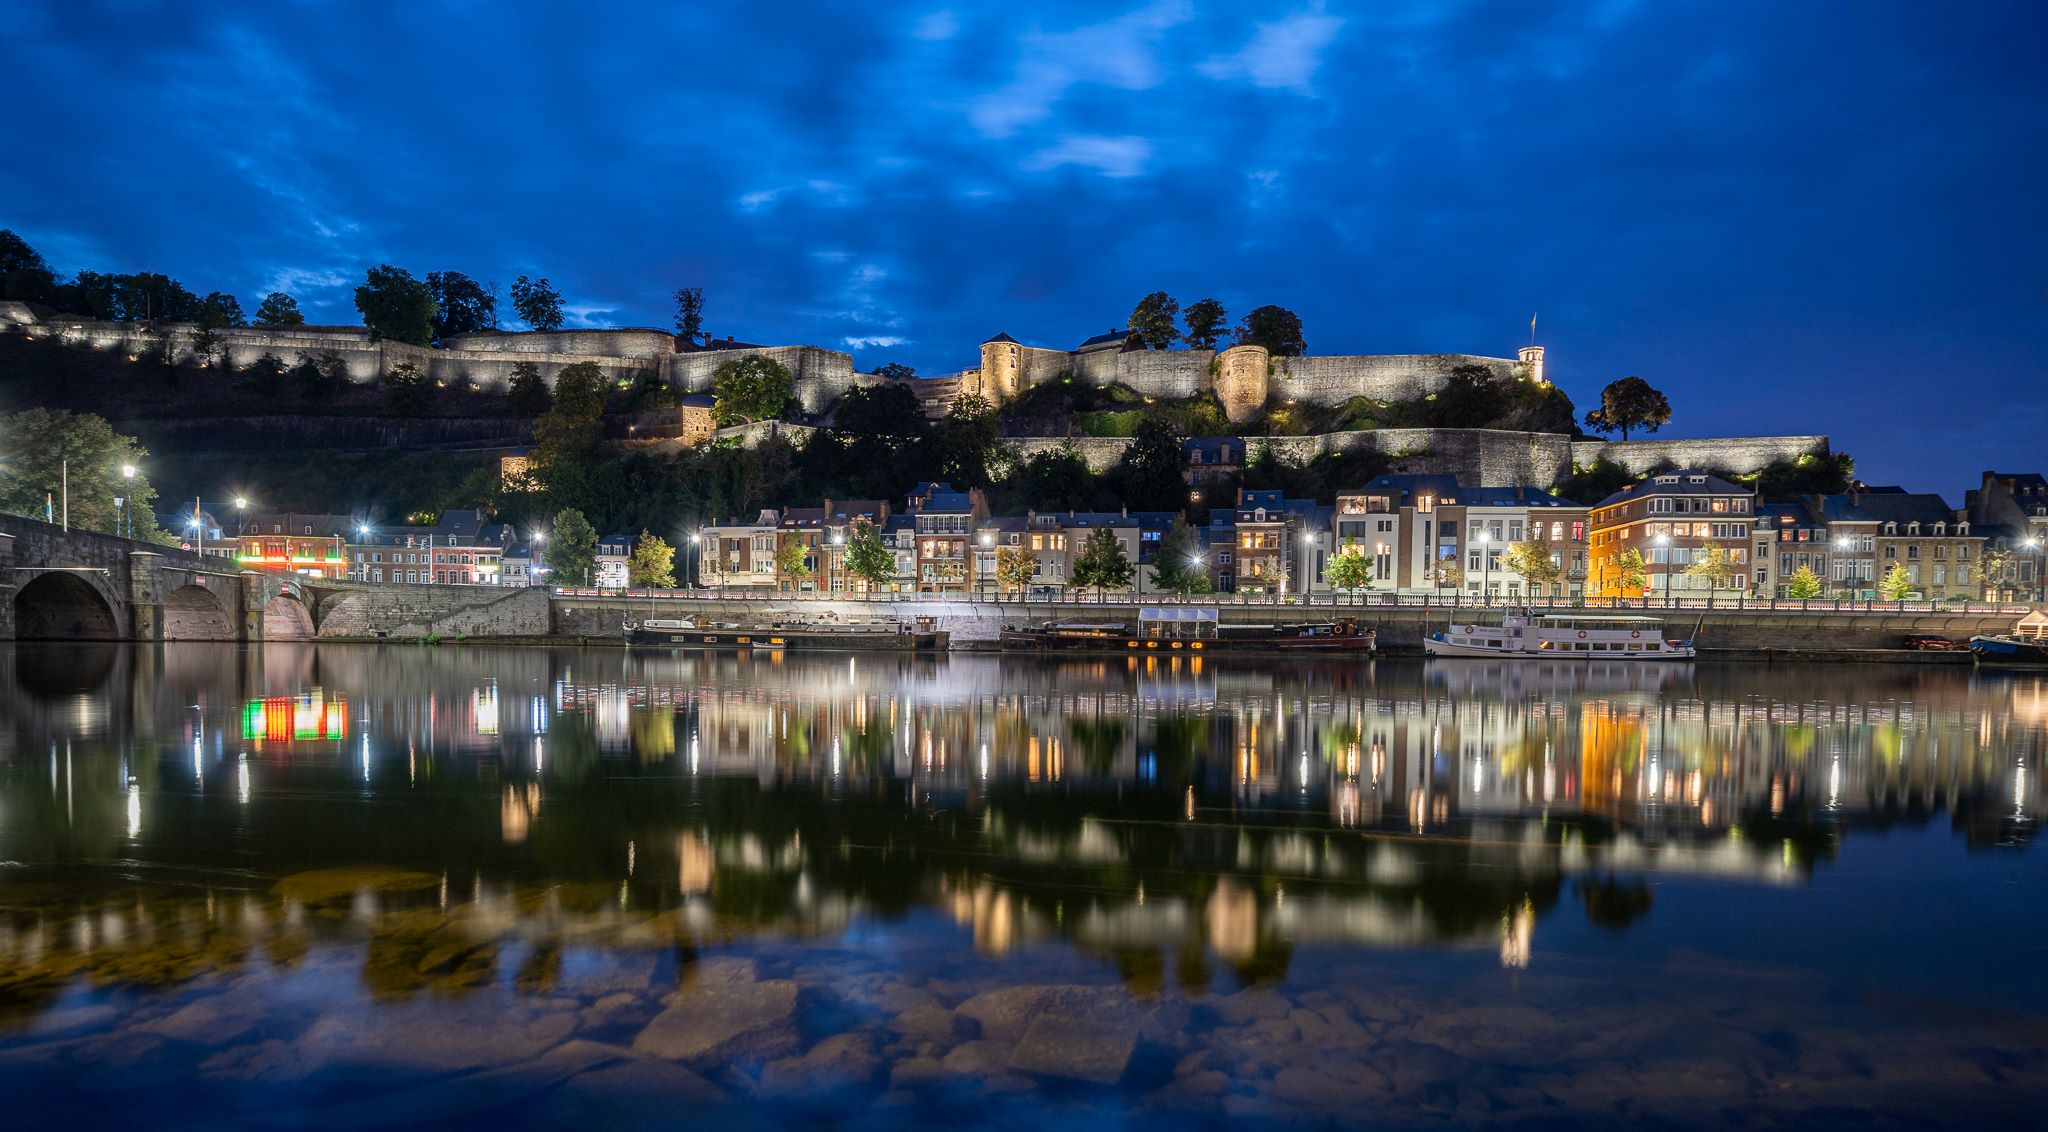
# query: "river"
356,885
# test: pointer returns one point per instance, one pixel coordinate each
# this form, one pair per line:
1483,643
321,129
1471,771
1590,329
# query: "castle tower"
1243,381
1002,362
1532,363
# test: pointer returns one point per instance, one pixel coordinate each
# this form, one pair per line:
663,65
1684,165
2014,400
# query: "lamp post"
1663,543
124,509
696,552
1485,568
2033,545
200,528
1841,547
1199,563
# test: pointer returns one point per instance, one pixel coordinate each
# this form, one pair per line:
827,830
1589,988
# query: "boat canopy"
1178,613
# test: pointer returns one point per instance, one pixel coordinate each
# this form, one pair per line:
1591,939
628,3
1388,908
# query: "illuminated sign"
283,719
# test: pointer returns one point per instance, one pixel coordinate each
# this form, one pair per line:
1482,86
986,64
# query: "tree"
1053,480
527,395
321,377
1715,566
793,560
1992,569
394,305
653,564
407,389
1471,396
1628,403
895,371
1448,575
1178,566
1631,573
1350,568
218,311
1152,321
279,309
753,388
264,377
1150,469
537,302
965,441
1205,320
1531,559
1276,328
40,444
690,314
1803,584
569,437
571,554
879,410
1102,563
24,277
1015,567
868,557
462,305
1895,585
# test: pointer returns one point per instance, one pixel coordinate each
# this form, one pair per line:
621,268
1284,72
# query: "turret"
1532,363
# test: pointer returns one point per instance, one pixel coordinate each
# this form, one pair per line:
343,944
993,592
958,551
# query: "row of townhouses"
1692,531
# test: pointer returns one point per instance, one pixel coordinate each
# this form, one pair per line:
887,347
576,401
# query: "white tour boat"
1559,636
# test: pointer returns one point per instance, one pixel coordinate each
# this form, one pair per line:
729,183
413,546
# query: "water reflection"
456,820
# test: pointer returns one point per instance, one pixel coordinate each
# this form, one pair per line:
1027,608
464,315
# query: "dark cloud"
1814,217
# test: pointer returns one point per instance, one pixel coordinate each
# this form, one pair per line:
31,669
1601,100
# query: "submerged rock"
707,1025
1004,1015
1097,1050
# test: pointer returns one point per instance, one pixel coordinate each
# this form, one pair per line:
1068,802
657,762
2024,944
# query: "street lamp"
195,525
2033,544
696,553
1663,543
1485,567
124,509
1842,546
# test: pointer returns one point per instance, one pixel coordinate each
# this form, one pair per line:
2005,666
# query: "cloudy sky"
1803,217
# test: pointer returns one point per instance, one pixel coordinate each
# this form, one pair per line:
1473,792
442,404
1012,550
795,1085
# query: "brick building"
1674,520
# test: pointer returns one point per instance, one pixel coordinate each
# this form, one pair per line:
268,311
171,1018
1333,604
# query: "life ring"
1582,634
1637,633
1470,629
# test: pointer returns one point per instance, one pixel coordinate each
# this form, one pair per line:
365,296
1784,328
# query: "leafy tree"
1015,567
1205,320
1629,403
321,377
148,296
1152,323
1590,485
1631,574
279,309
1056,480
1276,328
1531,559
39,443
528,395
24,277
1177,565
1150,470
964,444
1472,396
1715,566
868,557
880,410
895,371
569,437
1789,481
1102,564
1448,575
653,564
264,377
537,302
218,311
1350,568
1803,584
571,554
690,314
462,305
407,389
1992,569
793,560
394,305
753,388
1895,585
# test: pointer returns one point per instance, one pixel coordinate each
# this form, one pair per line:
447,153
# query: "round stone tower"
1243,381
1532,363
1002,363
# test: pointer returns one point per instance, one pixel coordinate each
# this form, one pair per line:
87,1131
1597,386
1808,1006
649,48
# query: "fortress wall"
1099,452
821,375
1165,373
1737,454
1334,380
1037,366
634,342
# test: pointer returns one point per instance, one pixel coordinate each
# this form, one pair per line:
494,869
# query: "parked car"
1923,642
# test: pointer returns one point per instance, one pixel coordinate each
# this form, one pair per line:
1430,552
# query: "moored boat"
2009,649
1192,629
1559,636
852,636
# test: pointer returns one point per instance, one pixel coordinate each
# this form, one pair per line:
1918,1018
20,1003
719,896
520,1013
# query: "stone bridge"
84,586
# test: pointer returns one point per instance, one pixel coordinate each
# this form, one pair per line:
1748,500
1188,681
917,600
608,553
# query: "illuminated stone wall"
1243,381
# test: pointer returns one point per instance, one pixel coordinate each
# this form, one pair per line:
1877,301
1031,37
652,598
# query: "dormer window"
1696,479
1940,529
1891,528
1667,479
1912,528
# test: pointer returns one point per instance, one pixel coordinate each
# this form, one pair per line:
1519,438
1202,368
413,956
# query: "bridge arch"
286,618
195,613
65,605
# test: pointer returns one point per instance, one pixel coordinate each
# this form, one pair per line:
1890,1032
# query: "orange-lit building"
313,545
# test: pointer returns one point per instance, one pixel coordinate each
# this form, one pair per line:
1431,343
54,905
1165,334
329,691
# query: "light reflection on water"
1471,891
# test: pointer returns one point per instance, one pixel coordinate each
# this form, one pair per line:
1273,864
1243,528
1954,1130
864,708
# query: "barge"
1192,629
848,636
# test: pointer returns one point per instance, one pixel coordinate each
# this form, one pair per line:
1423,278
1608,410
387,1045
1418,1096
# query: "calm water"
354,885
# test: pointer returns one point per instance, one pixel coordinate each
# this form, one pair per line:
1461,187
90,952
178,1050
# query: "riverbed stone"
466,1095
434,1041
1004,1015
916,1072
707,1025
826,1072
1086,1049
1252,1005
632,1093
319,886
934,1024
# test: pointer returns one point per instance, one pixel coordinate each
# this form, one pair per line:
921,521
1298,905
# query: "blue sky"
1792,217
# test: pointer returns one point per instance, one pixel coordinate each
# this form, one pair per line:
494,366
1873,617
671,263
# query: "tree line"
1153,325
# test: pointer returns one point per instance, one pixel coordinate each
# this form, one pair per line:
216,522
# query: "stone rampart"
625,342
1735,454
821,375
413,612
1392,377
